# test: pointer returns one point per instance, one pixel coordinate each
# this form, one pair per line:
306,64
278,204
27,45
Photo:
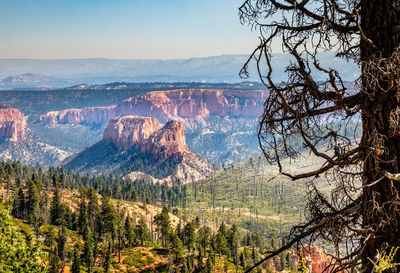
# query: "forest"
70,221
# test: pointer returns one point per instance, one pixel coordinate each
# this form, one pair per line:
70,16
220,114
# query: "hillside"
254,196
80,228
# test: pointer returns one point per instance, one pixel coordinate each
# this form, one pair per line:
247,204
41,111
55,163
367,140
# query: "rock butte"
12,123
186,105
164,142
147,132
127,131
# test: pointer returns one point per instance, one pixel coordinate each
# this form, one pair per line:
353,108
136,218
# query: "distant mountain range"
47,74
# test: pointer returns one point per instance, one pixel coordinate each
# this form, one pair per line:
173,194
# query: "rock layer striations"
187,105
12,123
140,148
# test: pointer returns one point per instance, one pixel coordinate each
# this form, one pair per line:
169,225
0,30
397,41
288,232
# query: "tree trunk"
378,17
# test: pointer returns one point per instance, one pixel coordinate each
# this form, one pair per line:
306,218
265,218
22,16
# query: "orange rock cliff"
185,105
126,131
12,123
317,260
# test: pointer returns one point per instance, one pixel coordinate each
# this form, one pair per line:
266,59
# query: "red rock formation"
186,105
126,131
96,115
163,142
12,123
169,140
316,258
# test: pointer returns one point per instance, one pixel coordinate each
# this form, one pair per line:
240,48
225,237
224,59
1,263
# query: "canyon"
12,123
187,105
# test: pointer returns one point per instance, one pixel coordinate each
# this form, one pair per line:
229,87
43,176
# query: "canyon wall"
128,130
169,140
187,105
12,123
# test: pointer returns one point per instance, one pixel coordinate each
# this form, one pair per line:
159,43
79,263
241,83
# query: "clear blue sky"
124,29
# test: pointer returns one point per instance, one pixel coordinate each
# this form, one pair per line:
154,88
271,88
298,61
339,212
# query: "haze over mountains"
42,73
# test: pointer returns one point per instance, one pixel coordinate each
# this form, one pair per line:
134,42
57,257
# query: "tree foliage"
19,252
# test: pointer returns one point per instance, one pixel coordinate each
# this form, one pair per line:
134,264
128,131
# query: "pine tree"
20,204
33,202
92,208
82,218
163,223
107,260
302,263
234,241
142,231
88,249
190,235
56,210
55,264
61,243
209,265
129,233
76,261
176,247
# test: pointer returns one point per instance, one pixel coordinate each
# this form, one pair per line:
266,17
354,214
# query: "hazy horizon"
138,29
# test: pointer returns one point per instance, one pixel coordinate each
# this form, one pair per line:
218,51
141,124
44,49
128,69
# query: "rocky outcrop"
169,140
187,105
127,131
92,115
316,258
12,123
163,142
140,148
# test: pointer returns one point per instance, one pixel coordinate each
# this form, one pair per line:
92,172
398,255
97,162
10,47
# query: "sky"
122,29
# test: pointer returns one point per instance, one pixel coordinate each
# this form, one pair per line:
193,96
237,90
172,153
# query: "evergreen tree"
163,223
61,243
55,264
92,208
221,244
108,219
82,218
129,232
107,260
234,242
88,249
76,260
209,265
176,247
190,235
302,263
20,204
203,237
56,209
33,202
142,231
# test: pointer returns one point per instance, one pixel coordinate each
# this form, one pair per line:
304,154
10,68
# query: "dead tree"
362,212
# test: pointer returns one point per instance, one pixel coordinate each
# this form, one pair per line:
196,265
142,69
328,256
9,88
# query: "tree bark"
378,18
